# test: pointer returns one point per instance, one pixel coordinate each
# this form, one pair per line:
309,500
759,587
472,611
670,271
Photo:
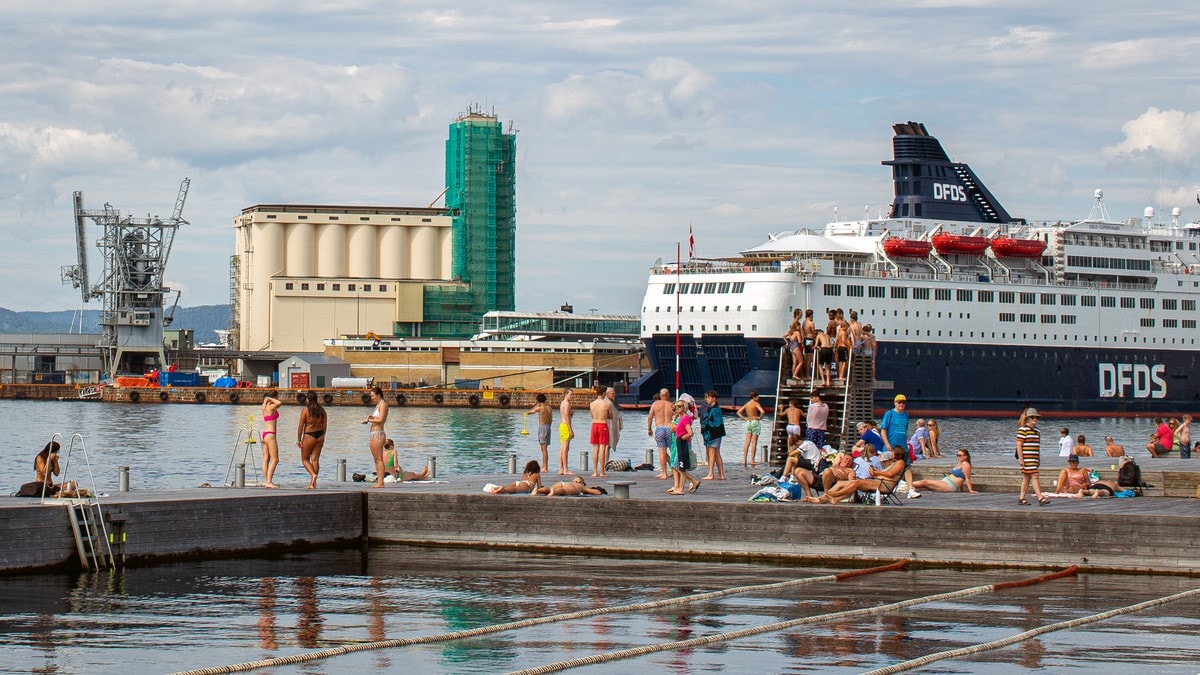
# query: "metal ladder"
245,436
86,515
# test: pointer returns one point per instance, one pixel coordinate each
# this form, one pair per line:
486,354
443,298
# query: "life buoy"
504,399
366,398
163,396
301,398
200,397
473,400
400,399
437,398
234,398
327,398
134,396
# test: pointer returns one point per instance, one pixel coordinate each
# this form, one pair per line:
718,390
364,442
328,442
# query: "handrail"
248,434
95,495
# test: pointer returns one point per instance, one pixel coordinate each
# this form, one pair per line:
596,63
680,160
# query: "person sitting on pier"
45,468
869,436
1162,441
958,478
883,481
531,481
804,455
572,488
391,465
842,470
1073,480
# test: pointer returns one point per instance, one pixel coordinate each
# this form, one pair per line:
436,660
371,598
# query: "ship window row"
1055,337
366,288
709,287
715,308
1098,262
703,327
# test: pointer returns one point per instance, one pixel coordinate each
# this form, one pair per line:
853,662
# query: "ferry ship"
975,311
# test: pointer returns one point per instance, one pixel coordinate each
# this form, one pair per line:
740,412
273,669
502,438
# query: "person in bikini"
391,465
531,481
377,419
571,488
270,440
1073,480
310,437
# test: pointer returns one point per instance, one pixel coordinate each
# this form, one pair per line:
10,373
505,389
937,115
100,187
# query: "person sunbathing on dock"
391,465
531,481
880,480
572,488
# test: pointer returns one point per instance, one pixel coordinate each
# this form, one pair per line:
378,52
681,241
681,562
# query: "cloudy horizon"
634,121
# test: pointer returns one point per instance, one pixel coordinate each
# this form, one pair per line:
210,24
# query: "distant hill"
204,320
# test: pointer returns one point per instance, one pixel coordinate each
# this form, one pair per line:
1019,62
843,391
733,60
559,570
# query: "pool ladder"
86,515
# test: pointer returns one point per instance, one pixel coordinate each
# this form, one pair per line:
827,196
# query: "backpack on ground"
1129,475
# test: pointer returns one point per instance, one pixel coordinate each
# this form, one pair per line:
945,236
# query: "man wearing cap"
894,426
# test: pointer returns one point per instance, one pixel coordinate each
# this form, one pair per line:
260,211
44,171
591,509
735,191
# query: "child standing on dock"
1029,454
545,416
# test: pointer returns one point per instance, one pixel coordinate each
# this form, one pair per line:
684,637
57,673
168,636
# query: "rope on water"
1021,637
524,623
783,625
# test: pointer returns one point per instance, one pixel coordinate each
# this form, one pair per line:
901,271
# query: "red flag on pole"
692,243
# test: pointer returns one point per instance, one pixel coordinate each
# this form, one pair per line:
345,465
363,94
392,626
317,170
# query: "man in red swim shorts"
601,414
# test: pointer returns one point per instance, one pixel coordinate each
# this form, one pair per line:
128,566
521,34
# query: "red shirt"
1166,437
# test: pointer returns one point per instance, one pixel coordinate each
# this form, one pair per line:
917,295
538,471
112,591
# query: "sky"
635,121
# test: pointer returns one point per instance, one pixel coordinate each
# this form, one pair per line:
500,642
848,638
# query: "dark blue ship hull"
950,378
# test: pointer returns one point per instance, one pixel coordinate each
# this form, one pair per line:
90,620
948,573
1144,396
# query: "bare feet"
709,477
662,476
376,485
271,485
424,475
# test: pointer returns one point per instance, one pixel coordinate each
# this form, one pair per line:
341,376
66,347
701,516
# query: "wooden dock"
1144,534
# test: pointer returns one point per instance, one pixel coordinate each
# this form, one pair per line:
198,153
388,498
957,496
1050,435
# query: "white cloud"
1166,135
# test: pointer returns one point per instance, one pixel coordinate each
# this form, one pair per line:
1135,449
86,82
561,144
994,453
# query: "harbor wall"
791,532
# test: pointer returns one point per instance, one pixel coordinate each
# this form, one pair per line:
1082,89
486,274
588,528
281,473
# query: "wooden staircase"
850,402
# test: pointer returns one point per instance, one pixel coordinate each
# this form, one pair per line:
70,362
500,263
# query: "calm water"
176,446
194,615
191,615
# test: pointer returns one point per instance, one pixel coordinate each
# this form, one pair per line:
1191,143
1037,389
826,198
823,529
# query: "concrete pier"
1151,534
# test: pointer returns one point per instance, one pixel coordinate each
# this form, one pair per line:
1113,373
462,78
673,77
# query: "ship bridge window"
723,287
1127,303
697,288
1049,298
965,295
1170,303
900,292
854,291
920,293
1147,323
668,289
1067,300
1029,318
1008,317
1188,305
1049,318
942,294
1108,301
986,296
1068,319
1147,303
1189,323
833,289
1088,301
875,291
1170,323
1008,297
1029,298
710,287
739,286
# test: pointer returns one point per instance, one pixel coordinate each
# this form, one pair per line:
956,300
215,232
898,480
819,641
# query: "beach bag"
1129,475
33,489
618,465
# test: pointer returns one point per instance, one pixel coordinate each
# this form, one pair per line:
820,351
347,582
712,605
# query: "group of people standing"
311,431
825,353
604,433
672,426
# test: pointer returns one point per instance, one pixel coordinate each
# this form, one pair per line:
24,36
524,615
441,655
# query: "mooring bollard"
341,470
621,488
239,476
650,456
512,464
122,479
432,466
583,461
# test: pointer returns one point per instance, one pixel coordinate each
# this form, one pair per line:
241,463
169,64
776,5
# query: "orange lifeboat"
907,248
1011,247
947,243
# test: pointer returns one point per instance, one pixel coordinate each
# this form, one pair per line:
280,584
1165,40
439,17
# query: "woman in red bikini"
270,441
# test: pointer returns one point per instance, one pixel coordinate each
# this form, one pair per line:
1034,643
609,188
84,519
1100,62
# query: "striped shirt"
1029,445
